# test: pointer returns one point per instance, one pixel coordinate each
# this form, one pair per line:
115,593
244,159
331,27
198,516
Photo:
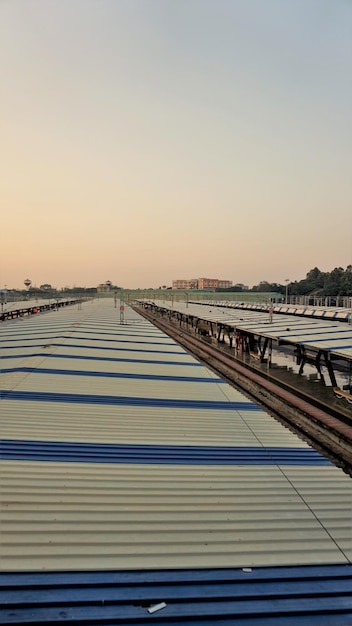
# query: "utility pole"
122,307
287,280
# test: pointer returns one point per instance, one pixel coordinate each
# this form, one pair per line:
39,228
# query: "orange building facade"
201,283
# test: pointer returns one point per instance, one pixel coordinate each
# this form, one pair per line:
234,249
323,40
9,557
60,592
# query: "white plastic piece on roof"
157,607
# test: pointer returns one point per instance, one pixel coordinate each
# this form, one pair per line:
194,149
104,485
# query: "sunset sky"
148,140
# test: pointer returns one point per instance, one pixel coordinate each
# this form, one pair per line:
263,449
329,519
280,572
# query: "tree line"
338,282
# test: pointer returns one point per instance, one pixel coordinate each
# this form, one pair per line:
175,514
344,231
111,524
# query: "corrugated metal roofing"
26,304
335,337
121,451
337,313
265,596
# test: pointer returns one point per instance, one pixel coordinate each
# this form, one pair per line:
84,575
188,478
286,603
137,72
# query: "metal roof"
29,303
328,312
252,597
334,337
119,451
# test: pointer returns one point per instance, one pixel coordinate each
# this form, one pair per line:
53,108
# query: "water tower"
28,283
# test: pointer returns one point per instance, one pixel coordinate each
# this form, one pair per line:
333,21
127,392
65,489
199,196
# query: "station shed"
321,342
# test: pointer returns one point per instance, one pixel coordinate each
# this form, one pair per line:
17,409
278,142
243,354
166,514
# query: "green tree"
346,282
333,283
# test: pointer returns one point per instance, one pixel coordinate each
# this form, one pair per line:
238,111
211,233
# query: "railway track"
321,426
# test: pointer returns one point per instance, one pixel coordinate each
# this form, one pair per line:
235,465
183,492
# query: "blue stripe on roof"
334,574
153,343
303,335
294,327
90,347
80,398
94,326
264,596
31,338
164,454
63,328
84,338
41,370
318,331
343,347
102,358
313,340
30,335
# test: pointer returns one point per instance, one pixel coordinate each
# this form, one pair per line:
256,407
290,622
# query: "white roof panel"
121,451
320,334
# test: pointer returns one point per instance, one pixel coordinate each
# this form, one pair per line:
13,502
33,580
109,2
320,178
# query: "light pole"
3,298
122,307
287,280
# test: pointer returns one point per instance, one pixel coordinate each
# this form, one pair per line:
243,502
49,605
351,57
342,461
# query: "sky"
148,140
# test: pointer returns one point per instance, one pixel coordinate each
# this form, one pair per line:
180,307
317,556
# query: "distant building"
191,283
213,283
201,283
104,287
